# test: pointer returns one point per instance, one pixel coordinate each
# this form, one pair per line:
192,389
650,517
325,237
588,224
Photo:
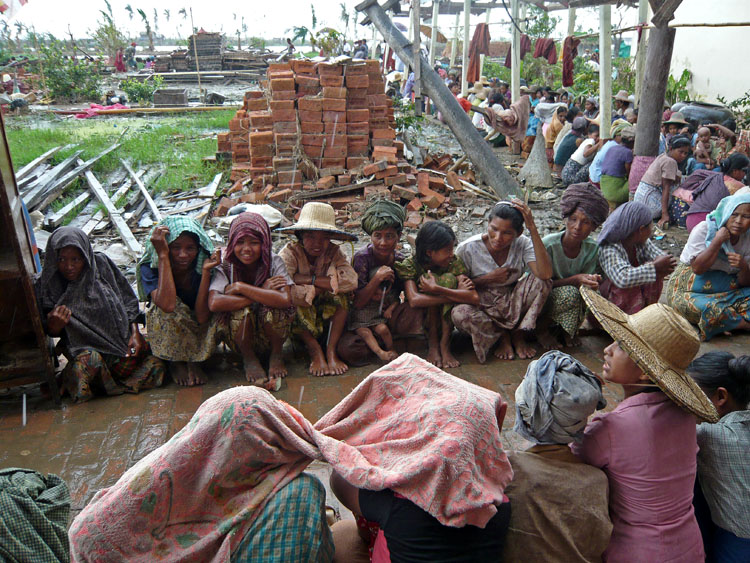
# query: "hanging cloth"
525,47
570,50
546,49
480,45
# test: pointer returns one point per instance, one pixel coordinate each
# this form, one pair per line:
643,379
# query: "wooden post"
416,49
465,52
197,64
454,47
481,57
515,47
640,56
605,69
571,21
433,39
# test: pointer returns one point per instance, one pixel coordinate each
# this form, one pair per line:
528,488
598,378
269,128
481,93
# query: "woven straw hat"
622,95
676,118
662,343
317,216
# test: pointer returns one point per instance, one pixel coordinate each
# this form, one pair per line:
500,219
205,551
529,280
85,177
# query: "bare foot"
195,374
387,355
318,365
276,367
272,383
335,365
433,356
524,350
571,341
449,361
504,348
254,372
546,340
179,373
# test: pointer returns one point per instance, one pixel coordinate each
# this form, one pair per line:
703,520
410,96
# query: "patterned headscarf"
719,217
255,226
589,198
383,214
623,221
177,226
555,399
101,300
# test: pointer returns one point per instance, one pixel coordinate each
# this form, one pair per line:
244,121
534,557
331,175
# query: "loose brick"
358,140
260,119
296,186
344,179
377,100
329,92
339,140
437,183
310,104
415,205
375,167
279,84
284,115
261,138
311,126
334,127
356,68
307,81
387,171
285,127
331,81
423,183
329,69
357,81
325,182
334,116
333,104
382,143
362,128
312,140
280,104
311,116
289,176
277,67
284,95
383,134
283,164
397,179
355,162
303,91
285,140
451,178
280,195
431,201
356,104
258,104
312,151
375,87
302,67
331,162
358,115
403,193
253,95
335,152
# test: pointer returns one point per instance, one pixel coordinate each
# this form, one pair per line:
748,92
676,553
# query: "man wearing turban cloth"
377,313
574,256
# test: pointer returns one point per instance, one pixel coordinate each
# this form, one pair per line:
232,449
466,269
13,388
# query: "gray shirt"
697,243
478,260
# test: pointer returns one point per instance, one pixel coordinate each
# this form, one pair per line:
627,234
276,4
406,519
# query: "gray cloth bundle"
555,399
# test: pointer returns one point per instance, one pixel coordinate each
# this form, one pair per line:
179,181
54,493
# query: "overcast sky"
263,18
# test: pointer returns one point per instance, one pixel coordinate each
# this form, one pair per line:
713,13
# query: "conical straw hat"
662,343
317,216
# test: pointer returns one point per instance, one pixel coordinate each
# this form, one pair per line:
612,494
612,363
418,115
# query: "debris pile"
204,51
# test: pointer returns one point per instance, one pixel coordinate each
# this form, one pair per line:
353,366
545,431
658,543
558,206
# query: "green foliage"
141,92
257,42
328,40
68,79
107,38
406,117
540,23
677,88
494,69
741,109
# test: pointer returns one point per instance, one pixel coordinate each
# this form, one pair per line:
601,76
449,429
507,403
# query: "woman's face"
500,233
619,368
70,263
644,233
442,257
315,243
248,250
578,226
183,251
739,222
680,154
738,175
384,242
589,106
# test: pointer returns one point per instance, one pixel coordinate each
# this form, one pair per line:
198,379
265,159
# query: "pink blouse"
647,447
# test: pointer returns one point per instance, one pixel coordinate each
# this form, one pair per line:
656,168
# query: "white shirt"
697,243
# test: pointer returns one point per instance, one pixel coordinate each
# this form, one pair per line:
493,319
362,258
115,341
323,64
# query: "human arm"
464,293
738,261
627,169
57,319
219,301
136,343
421,300
347,494
703,261
616,266
363,296
666,192
165,295
202,311
596,445
726,131
592,149
276,298
579,280
542,266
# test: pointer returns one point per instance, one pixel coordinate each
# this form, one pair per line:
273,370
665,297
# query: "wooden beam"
454,46
665,13
605,70
147,196
571,21
55,220
433,39
465,50
209,191
515,46
416,50
592,3
26,170
640,54
119,223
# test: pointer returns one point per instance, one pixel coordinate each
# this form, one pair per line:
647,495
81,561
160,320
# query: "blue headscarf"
719,217
623,221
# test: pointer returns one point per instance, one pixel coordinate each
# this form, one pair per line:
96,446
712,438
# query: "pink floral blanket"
409,426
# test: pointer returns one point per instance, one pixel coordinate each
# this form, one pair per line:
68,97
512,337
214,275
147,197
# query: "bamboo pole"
640,55
482,56
416,49
465,50
149,110
454,47
605,69
195,50
571,21
515,71
433,39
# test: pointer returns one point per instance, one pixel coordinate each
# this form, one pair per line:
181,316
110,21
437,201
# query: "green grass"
176,143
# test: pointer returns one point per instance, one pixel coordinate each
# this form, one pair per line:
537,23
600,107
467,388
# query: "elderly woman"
647,445
724,456
661,178
591,108
174,274
632,264
560,505
323,281
252,290
377,308
711,286
574,256
90,305
508,306
712,187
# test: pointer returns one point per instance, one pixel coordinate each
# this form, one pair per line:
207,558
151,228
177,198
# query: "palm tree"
149,31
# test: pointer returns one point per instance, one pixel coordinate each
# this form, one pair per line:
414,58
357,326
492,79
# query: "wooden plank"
40,187
59,216
26,170
209,191
120,224
147,196
98,219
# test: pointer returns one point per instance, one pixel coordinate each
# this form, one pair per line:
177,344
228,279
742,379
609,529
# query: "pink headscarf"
255,226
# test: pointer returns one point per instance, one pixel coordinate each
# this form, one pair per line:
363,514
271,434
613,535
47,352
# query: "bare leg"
384,333
523,349
571,341
449,361
179,373
338,322
196,373
276,367
254,372
504,349
433,337
366,334
318,365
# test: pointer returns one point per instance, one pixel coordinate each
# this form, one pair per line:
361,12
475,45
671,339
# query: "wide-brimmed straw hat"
317,216
622,95
662,343
479,90
676,118
483,80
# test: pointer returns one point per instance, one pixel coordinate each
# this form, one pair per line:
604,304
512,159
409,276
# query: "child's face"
442,257
455,89
247,250
561,116
619,368
672,129
182,252
704,137
315,243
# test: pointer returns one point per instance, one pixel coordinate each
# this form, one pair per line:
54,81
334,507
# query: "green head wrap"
383,214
